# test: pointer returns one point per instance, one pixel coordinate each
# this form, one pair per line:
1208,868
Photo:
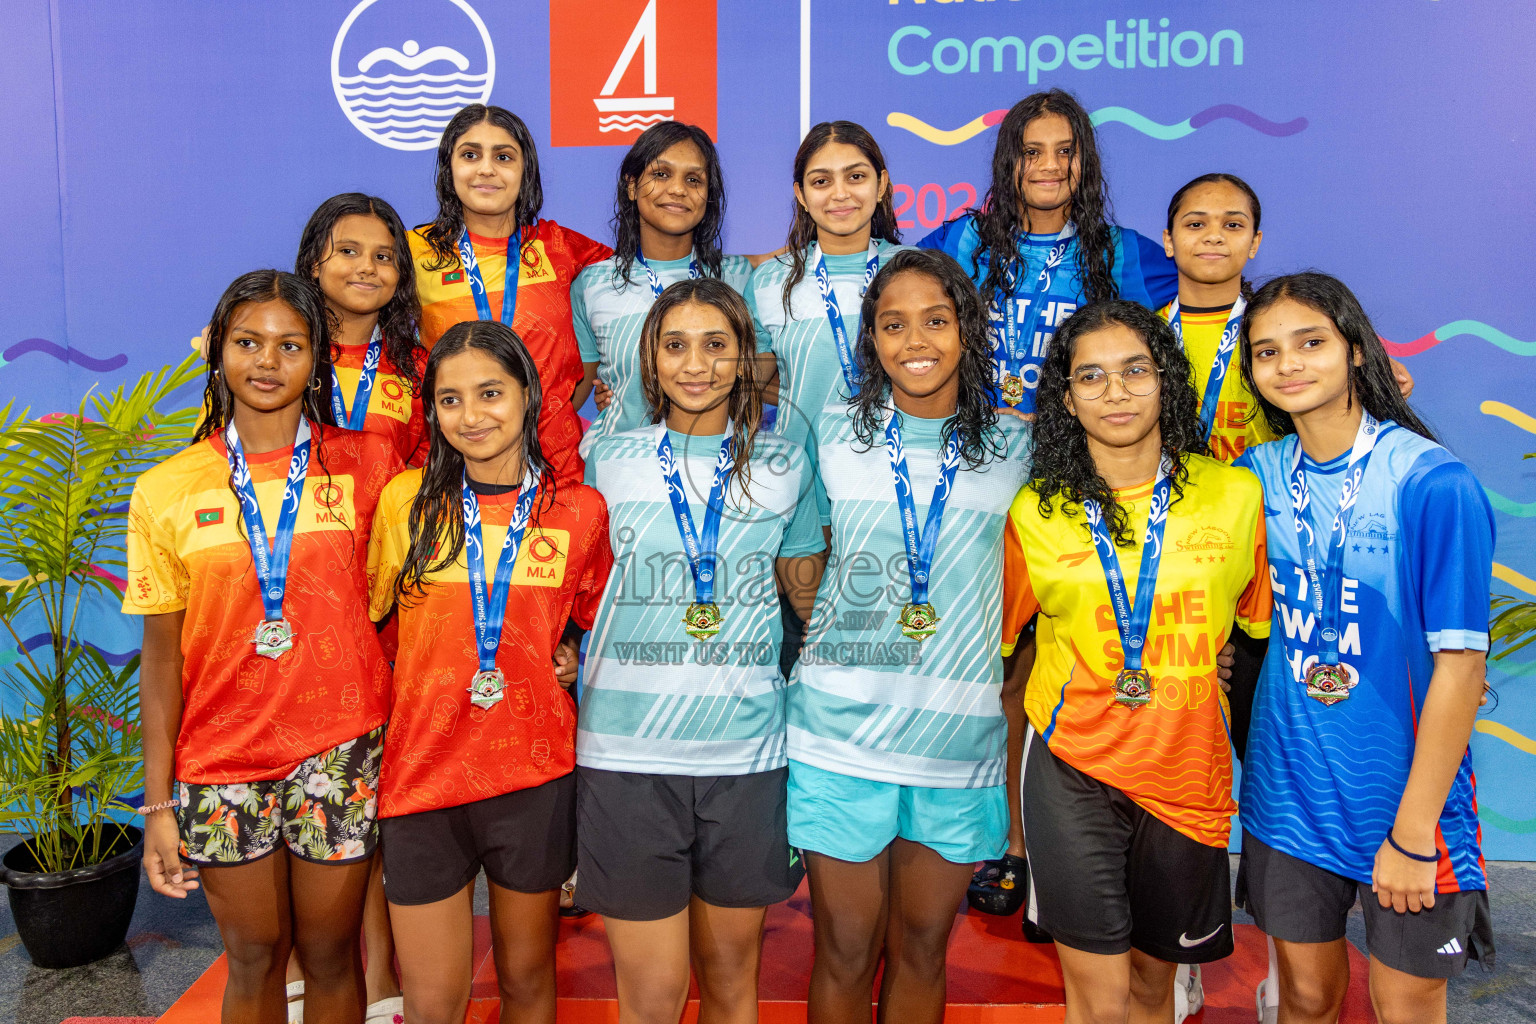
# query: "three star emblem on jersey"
616,67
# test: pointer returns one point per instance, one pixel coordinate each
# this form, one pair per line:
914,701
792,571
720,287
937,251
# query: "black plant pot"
69,918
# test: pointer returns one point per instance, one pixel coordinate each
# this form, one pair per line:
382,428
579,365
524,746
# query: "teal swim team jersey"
1142,272
864,700
654,699
608,312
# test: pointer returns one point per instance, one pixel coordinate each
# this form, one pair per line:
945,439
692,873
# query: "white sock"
1272,981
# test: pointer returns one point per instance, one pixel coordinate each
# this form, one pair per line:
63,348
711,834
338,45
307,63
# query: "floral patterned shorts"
325,810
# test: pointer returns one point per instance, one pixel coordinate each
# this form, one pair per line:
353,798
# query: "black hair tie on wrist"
1420,857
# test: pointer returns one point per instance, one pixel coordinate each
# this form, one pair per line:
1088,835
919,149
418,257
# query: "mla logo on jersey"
402,92
616,67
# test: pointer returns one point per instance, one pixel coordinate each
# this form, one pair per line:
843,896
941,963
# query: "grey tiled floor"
172,942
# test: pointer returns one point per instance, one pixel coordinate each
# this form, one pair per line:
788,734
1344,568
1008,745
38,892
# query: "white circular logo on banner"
404,96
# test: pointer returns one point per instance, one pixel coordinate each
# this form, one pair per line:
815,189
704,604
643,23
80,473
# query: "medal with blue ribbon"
1005,341
655,282
1133,684
274,636
359,414
919,620
471,267
845,353
488,684
1219,366
1327,678
703,618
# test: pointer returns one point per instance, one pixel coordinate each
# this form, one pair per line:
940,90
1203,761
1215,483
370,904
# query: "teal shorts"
855,819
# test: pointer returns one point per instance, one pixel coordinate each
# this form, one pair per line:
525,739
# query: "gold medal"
703,620
1133,687
274,638
1329,683
919,621
485,689
1013,389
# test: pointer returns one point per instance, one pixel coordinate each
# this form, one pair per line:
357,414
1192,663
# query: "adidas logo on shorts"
1451,948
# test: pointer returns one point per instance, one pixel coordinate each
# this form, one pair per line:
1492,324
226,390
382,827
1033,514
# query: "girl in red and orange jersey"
488,200
358,251
494,568
262,685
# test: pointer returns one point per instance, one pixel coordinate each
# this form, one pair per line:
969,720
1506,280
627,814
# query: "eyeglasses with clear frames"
1138,379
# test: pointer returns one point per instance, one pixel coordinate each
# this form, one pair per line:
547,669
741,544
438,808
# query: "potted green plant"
69,725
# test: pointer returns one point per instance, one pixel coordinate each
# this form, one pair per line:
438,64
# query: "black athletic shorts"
647,843
1296,901
525,840
1109,877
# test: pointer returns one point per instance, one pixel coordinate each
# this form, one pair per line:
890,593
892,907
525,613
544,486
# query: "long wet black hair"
999,221
400,318
1214,178
648,148
1063,468
437,518
745,402
443,233
802,229
976,412
1371,382
302,296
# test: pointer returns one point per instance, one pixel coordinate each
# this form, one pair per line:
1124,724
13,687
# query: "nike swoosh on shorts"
1189,943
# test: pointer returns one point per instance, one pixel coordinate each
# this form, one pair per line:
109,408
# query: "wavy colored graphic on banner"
1519,581
1508,735
1476,328
63,355
1105,115
32,643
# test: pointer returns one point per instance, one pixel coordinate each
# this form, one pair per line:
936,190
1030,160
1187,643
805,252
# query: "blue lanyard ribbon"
1006,341
655,282
1326,583
1133,620
920,546
359,414
845,354
471,267
1219,365
271,569
489,616
703,546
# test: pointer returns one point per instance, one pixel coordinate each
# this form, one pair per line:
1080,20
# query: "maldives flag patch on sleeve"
452,276
209,516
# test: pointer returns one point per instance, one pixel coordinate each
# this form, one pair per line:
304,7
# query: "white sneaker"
1188,993
295,1002
386,1011
1268,1014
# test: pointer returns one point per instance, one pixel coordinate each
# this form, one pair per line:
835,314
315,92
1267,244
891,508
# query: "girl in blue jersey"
680,743
895,724
1358,777
667,216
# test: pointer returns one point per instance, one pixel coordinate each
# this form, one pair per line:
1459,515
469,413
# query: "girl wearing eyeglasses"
1140,553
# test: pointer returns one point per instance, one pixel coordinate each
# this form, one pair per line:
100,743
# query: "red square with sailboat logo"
616,67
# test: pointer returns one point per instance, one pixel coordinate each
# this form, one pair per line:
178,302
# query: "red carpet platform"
994,976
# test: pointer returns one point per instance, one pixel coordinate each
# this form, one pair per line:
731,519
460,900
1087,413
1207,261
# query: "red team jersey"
552,257
246,718
394,408
440,750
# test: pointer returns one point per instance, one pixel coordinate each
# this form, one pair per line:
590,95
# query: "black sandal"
1000,886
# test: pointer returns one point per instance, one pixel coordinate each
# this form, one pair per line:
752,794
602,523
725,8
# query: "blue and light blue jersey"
1141,270
1323,782
654,699
865,700
608,312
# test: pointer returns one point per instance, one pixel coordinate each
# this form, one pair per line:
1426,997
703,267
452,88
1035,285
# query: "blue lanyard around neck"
655,282
471,267
845,354
920,546
1133,620
1006,341
271,568
359,414
702,546
490,615
1219,366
